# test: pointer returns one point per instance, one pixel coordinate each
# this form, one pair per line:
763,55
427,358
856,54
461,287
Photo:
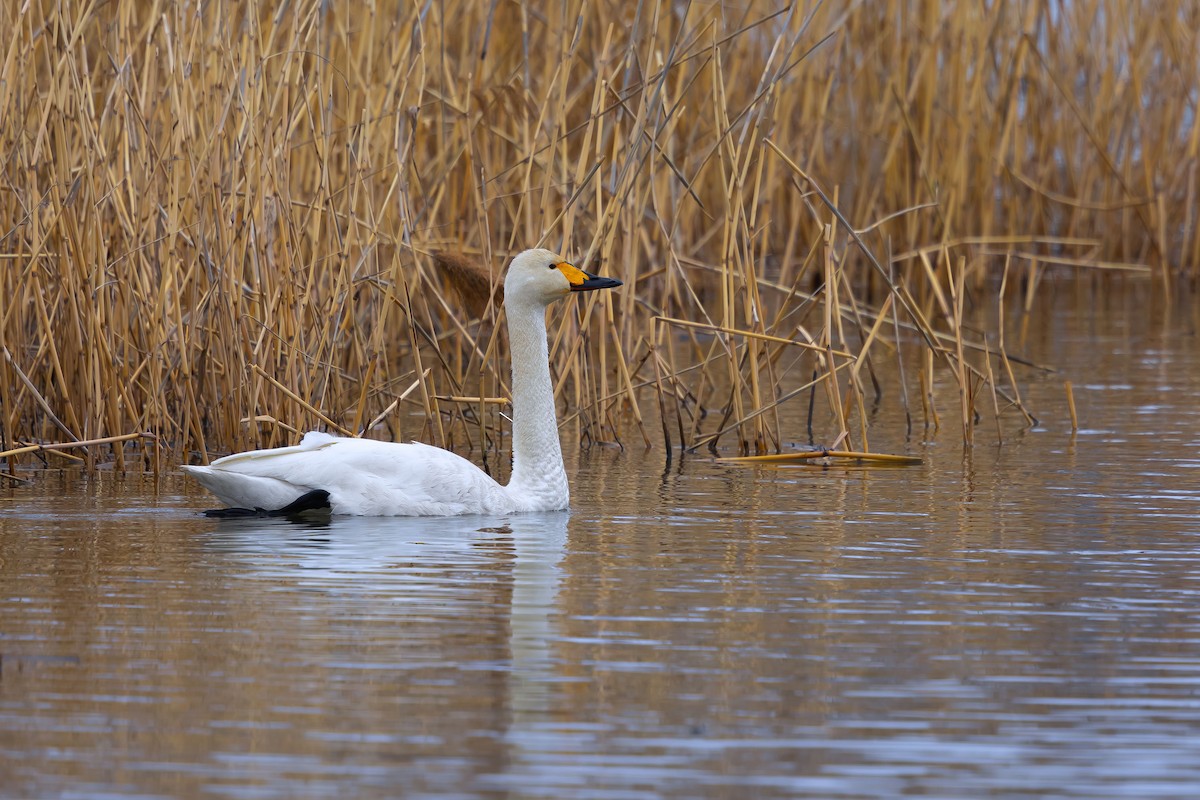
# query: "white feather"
369,477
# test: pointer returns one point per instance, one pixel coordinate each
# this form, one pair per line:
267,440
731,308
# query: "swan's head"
543,276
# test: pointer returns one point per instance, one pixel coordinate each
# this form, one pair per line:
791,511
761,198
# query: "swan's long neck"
538,481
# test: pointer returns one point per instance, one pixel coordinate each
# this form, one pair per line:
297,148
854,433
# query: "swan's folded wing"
312,441
362,476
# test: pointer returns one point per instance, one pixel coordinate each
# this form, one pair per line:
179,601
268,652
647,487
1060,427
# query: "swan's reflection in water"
444,604
539,544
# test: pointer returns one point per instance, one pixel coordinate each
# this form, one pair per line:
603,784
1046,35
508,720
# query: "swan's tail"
248,491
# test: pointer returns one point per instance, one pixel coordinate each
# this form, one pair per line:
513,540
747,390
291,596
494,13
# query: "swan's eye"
553,266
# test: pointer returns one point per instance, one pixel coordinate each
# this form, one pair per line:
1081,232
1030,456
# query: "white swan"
373,478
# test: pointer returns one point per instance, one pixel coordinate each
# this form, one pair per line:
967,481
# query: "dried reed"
220,223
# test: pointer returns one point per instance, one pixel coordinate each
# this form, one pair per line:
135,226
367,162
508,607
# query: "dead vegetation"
221,222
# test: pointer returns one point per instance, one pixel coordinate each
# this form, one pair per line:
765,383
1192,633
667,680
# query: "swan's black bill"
595,282
316,500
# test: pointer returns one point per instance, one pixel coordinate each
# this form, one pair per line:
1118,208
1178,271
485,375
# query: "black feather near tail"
316,500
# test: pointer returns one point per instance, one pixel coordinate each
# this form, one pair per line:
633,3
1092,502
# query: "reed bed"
224,223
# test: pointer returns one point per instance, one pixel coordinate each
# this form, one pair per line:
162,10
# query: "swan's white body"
368,477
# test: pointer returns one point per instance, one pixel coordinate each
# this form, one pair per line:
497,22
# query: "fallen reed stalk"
816,455
42,448
218,222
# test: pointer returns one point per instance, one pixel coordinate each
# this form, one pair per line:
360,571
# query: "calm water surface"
1017,621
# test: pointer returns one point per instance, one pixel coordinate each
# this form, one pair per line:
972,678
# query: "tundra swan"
373,478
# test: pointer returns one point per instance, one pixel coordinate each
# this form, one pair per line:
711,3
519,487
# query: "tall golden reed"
217,220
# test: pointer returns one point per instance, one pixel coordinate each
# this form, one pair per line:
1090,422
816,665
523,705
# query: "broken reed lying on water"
219,221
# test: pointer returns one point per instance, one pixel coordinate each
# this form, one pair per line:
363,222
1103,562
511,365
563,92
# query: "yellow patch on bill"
574,275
